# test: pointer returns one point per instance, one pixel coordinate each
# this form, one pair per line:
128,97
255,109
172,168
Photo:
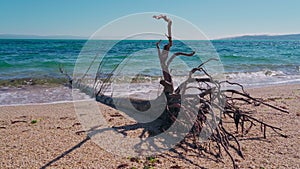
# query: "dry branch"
208,96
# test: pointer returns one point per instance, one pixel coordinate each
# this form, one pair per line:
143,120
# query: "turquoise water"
251,63
241,59
36,58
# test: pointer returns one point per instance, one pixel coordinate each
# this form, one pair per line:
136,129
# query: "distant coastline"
63,37
295,36
264,37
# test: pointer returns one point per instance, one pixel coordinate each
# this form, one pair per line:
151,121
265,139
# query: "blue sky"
216,18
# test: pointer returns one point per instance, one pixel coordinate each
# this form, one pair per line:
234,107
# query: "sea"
29,68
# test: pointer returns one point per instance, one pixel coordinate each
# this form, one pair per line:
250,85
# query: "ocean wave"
232,56
37,95
262,78
4,64
243,59
263,73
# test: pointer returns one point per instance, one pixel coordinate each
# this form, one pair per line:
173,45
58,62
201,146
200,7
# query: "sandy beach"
149,85
50,136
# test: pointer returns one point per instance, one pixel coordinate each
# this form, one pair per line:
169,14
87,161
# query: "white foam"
262,78
259,74
38,95
49,103
151,89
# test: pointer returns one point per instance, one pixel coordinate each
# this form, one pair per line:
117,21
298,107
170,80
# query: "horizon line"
76,37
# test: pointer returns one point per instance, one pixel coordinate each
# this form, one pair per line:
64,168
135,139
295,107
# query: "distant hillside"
13,36
265,37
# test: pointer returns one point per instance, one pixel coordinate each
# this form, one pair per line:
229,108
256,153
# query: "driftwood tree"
229,102
212,102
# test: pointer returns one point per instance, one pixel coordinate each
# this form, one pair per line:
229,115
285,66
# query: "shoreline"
64,94
273,85
49,103
37,94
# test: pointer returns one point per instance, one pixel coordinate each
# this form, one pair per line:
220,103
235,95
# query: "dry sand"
56,140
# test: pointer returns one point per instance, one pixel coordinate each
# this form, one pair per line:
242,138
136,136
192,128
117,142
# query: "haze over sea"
249,62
